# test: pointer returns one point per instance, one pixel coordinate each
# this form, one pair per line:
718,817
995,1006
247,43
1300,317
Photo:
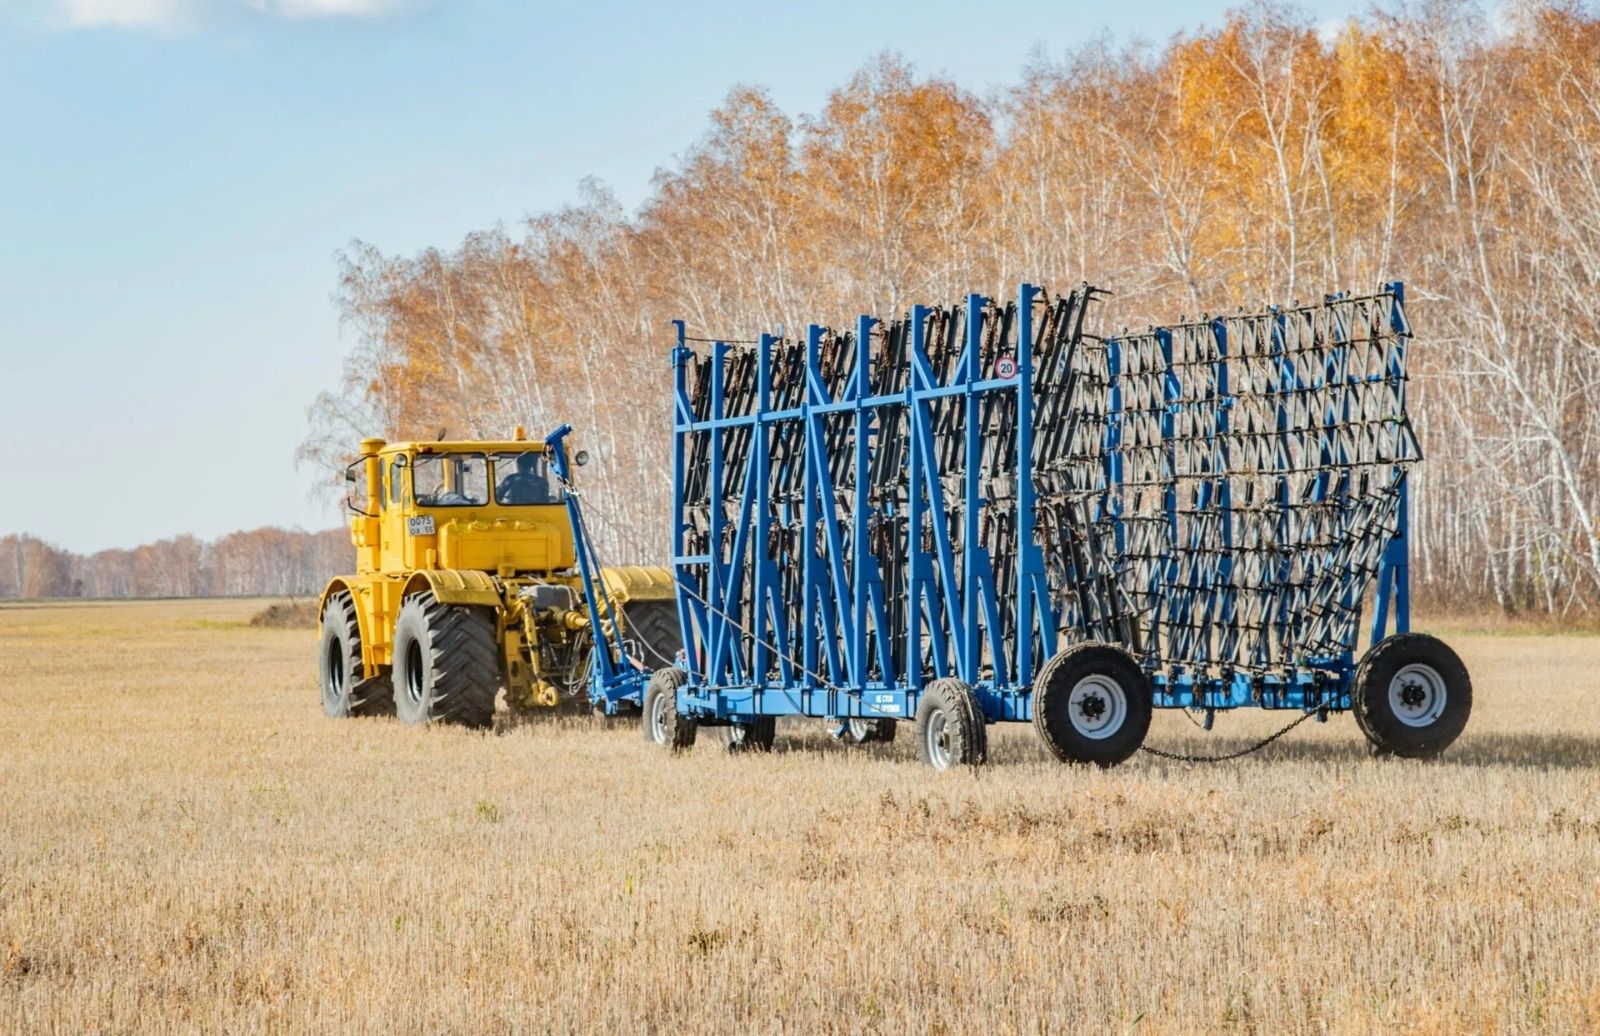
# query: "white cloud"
157,14
181,14
300,9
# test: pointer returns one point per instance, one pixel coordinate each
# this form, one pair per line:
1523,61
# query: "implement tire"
345,692
858,730
447,663
661,722
1092,704
950,726
1411,696
755,736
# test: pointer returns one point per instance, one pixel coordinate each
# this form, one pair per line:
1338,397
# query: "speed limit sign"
1005,367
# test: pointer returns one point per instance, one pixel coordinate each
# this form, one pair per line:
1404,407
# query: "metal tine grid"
783,435
1217,495
1255,472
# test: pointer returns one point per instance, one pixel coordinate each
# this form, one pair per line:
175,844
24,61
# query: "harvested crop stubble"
186,842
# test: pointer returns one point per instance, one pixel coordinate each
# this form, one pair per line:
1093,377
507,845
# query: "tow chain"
1258,746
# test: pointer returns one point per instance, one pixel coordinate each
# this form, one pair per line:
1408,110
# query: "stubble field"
186,843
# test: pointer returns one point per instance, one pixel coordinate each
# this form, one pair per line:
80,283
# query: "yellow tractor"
474,574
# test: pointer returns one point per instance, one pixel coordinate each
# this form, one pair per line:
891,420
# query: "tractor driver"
527,485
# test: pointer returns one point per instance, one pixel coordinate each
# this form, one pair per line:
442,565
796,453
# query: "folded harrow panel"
960,493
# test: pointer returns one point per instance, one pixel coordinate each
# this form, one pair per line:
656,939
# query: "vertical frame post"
716,621
760,444
1025,560
810,567
683,574
858,535
973,456
1394,568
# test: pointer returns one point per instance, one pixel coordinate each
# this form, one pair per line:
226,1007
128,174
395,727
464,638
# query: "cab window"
450,479
523,478
397,477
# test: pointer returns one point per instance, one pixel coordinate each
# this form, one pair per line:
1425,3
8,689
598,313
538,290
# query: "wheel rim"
857,729
414,688
334,685
938,736
1417,695
1097,707
658,717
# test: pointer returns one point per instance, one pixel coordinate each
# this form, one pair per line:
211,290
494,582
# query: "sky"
178,176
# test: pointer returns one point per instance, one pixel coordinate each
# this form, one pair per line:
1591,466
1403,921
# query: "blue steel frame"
712,615
612,681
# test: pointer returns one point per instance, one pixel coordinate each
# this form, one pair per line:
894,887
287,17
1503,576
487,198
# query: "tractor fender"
369,636
458,586
624,583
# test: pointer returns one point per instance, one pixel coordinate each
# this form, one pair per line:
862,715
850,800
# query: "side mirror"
581,458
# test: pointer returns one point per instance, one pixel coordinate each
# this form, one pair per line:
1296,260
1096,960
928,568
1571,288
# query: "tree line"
1266,160
260,562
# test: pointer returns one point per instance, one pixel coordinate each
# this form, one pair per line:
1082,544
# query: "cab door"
395,506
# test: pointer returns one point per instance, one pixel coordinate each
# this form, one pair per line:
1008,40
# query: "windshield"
450,480
523,478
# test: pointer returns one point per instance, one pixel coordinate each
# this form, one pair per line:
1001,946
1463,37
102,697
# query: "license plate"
420,526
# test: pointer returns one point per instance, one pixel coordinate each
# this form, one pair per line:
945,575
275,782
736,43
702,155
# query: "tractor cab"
494,507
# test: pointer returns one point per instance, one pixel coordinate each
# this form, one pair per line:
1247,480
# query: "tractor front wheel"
446,663
345,691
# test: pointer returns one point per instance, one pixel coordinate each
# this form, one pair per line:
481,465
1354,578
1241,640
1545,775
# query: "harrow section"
963,493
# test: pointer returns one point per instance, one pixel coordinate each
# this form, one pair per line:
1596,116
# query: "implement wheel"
1411,696
446,663
662,723
858,730
1091,704
950,726
755,736
345,692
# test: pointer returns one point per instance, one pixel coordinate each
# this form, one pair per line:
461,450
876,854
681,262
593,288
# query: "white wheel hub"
1417,695
938,734
1097,707
658,717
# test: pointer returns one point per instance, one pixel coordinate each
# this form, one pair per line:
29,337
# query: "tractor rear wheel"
1092,704
662,723
446,663
653,626
950,726
1411,696
345,691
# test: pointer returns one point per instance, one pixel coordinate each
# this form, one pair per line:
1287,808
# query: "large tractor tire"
1411,696
447,663
345,691
1092,704
653,625
662,723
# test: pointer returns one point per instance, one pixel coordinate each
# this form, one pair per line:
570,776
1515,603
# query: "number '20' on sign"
1005,367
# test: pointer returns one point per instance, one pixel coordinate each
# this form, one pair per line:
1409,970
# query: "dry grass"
186,843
